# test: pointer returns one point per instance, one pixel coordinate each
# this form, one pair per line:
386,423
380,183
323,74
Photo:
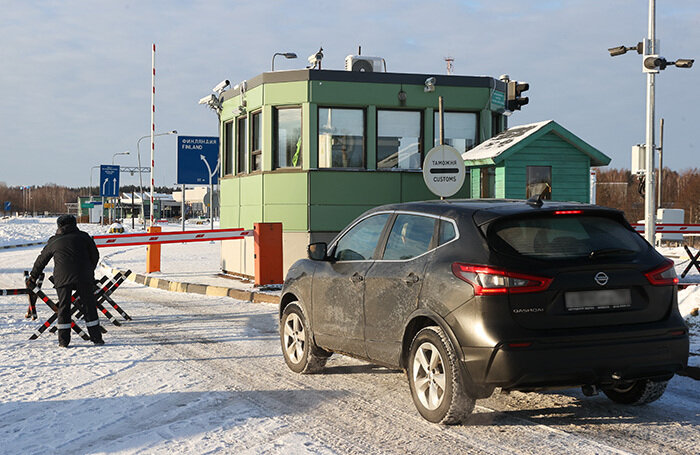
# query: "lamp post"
138,156
120,153
285,54
652,63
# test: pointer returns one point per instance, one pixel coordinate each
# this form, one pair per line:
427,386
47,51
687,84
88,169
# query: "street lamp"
651,64
120,153
284,54
138,156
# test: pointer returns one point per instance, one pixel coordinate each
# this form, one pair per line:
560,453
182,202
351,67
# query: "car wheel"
638,392
436,380
300,353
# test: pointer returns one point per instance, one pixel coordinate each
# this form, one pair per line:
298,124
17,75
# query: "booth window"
242,145
539,181
399,139
256,142
228,148
288,137
341,138
460,130
488,182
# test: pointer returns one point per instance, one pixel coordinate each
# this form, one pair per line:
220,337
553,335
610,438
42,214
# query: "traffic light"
515,90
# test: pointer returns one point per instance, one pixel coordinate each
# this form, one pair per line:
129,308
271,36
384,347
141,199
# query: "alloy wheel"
294,338
429,376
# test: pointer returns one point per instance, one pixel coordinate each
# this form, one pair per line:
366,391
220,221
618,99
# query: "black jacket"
74,255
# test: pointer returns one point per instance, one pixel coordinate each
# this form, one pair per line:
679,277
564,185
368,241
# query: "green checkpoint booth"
313,149
527,160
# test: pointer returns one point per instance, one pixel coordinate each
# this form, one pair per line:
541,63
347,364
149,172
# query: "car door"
393,284
339,284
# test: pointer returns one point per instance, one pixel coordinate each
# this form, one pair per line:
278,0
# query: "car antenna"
536,201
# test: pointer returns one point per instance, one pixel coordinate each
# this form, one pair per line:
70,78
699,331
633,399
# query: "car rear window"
565,236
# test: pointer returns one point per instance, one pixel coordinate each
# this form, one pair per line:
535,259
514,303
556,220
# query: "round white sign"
443,170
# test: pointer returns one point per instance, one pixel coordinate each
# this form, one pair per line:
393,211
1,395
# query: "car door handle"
411,278
357,278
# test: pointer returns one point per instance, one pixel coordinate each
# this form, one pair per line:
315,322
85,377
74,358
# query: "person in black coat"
75,257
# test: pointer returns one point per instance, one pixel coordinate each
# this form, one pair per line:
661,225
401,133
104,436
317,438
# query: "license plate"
598,300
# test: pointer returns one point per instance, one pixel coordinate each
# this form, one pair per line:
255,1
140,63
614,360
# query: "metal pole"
661,158
132,209
442,123
649,199
153,125
182,207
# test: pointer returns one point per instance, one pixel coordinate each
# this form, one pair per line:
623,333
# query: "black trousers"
88,303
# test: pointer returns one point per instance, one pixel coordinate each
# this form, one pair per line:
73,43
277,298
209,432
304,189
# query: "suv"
470,295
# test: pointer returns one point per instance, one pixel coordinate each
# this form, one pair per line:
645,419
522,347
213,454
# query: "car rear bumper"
572,363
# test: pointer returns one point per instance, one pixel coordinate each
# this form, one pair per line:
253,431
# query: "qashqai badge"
601,278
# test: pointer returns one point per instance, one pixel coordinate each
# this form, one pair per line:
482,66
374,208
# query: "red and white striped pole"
153,126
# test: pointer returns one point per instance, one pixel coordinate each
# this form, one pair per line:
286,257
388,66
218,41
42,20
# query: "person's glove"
30,282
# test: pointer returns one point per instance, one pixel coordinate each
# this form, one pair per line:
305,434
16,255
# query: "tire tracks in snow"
340,416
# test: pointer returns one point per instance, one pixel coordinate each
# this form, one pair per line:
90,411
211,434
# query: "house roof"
500,147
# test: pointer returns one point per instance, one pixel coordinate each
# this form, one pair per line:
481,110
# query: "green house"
313,149
537,159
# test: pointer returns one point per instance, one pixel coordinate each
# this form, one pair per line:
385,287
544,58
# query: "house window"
256,142
288,137
341,138
488,182
228,148
399,139
242,145
539,181
460,130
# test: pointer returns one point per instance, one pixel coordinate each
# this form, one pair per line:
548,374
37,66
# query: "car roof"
488,209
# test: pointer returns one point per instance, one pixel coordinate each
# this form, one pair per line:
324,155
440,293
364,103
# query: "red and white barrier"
103,241
669,228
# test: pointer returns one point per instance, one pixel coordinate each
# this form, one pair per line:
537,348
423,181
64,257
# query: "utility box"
639,159
669,216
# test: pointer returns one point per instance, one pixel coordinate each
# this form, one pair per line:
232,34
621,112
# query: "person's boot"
96,334
63,338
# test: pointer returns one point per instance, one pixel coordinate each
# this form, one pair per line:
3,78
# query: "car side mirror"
317,251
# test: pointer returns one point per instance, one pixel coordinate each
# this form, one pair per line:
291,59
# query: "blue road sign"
8,206
109,180
192,151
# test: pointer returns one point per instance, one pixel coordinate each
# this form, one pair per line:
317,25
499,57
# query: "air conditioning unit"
365,64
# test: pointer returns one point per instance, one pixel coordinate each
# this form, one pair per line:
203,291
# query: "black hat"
65,220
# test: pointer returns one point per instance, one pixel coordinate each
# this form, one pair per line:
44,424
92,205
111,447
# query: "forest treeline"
617,188
620,189
53,198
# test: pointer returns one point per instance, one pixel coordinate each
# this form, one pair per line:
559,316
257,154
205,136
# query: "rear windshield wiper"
610,251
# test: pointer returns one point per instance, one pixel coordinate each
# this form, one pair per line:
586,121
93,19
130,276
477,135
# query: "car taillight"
489,280
568,212
664,275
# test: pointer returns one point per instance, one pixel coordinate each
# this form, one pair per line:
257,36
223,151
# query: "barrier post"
153,253
268,253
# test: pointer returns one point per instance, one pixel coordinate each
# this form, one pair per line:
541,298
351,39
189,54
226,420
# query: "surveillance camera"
430,84
221,86
684,63
207,99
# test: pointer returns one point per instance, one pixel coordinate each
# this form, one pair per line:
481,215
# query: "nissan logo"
601,278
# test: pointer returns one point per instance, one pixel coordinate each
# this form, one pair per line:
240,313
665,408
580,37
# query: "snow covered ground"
200,374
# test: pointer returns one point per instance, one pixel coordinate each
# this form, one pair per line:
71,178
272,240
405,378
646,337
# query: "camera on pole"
515,98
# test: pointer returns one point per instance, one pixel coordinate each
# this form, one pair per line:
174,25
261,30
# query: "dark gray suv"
471,295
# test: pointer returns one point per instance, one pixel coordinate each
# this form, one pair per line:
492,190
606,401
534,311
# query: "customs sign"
443,170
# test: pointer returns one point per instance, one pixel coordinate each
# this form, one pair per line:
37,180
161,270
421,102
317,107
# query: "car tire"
637,393
299,351
436,380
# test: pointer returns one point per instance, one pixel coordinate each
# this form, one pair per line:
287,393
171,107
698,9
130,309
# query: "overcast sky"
75,75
